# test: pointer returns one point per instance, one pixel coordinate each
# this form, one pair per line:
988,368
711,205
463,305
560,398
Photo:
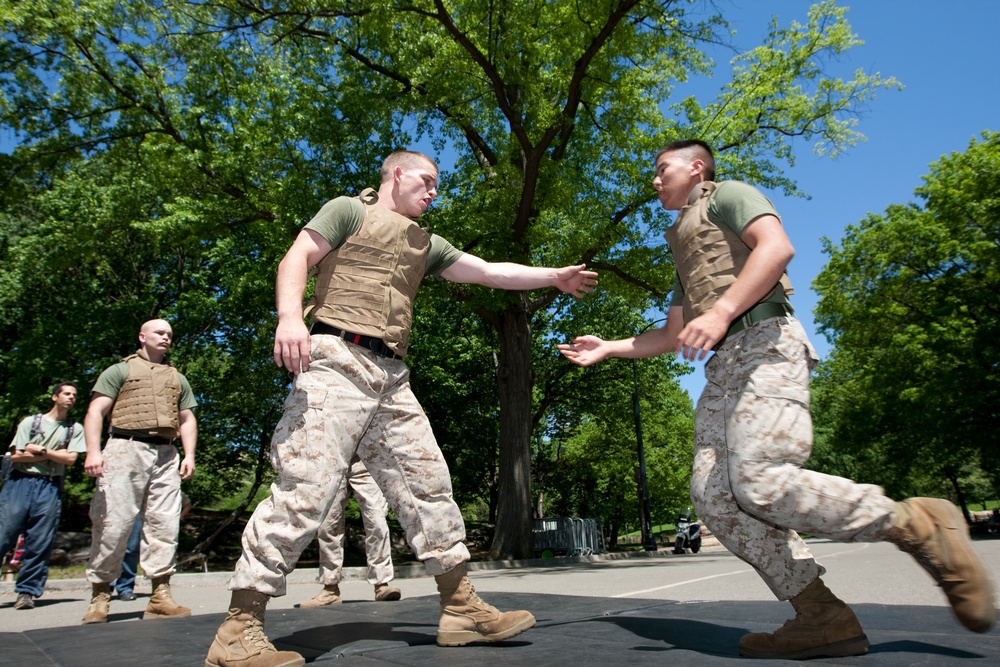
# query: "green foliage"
169,152
909,300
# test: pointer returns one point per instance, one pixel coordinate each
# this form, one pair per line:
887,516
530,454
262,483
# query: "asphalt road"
857,573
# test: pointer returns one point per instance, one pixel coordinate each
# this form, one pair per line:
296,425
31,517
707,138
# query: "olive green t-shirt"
341,217
734,205
52,436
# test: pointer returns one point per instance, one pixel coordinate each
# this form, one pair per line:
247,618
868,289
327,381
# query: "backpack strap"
36,426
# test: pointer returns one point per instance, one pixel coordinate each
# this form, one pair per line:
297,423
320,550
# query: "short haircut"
58,387
403,159
693,149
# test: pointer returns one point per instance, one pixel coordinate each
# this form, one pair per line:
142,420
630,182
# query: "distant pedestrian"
378,546
31,500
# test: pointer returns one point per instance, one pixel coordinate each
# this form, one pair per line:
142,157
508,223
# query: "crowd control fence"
564,536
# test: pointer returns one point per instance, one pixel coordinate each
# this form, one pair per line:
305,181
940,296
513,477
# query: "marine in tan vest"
139,471
351,397
147,402
709,257
368,284
753,431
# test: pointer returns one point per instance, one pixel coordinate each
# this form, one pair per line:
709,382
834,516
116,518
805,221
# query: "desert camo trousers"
350,402
753,433
140,479
373,506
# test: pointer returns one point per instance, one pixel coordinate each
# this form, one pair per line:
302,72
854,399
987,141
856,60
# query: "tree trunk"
512,538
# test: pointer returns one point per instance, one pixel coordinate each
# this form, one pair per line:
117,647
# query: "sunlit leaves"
909,300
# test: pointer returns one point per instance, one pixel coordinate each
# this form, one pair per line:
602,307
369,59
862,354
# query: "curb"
308,575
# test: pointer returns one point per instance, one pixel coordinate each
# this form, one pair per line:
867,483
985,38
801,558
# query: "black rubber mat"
571,632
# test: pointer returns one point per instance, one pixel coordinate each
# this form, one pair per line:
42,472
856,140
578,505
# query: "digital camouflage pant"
373,506
350,402
753,433
139,478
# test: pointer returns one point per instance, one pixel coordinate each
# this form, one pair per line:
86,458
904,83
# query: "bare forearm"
651,343
511,276
189,436
761,273
290,286
92,425
61,456
25,457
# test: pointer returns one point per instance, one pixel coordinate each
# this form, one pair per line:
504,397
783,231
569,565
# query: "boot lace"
253,634
474,599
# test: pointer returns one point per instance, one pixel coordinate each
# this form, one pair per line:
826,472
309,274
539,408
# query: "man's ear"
697,166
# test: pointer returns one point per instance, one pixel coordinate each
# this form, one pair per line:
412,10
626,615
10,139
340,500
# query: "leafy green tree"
162,171
908,298
244,117
553,110
592,469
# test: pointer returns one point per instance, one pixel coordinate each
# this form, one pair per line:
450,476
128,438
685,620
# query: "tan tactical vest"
368,284
708,256
148,399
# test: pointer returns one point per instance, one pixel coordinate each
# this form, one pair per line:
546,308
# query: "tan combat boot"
934,532
465,618
823,627
387,593
100,604
329,595
161,604
240,640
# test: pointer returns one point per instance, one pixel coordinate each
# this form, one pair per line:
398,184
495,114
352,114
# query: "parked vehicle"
688,535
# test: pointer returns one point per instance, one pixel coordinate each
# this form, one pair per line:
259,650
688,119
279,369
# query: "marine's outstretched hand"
576,280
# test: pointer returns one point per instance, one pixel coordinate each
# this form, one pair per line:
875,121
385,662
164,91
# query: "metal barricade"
564,536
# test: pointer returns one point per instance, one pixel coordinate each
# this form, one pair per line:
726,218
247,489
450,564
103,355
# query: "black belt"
761,311
17,474
376,345
148,439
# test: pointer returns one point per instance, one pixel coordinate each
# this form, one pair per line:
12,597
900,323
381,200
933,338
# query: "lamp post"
648,544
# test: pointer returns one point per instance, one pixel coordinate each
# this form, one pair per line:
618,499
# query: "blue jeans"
32,505
130,564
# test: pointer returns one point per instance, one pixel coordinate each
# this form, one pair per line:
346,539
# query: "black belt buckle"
761,311
376,345
148,439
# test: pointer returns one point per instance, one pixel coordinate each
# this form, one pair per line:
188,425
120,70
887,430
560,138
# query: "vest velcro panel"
148,399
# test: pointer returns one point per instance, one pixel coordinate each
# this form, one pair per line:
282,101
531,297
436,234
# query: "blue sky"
947,57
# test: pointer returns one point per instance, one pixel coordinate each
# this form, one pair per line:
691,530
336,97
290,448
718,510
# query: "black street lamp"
648,544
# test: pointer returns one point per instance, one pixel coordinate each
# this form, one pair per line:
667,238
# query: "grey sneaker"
24,601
